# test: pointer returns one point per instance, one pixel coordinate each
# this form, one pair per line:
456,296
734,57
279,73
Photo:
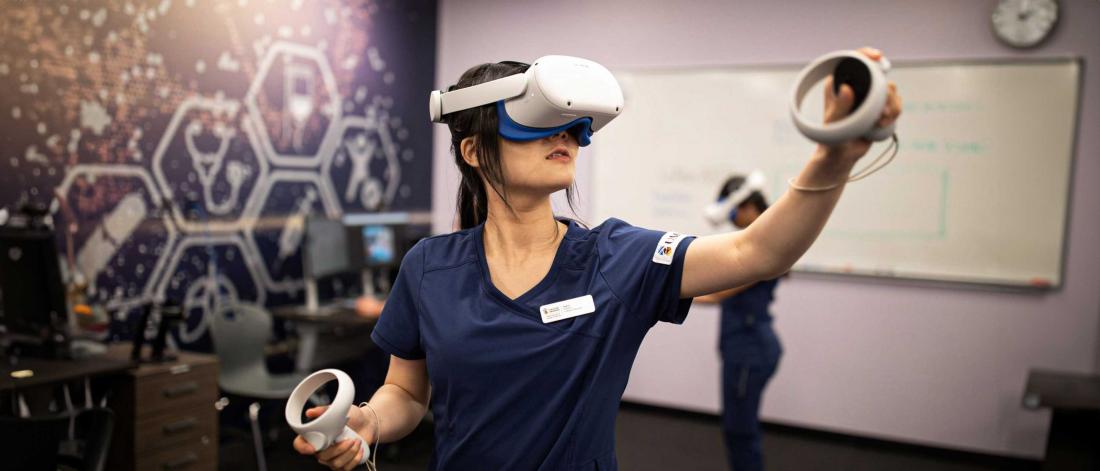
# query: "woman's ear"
468,147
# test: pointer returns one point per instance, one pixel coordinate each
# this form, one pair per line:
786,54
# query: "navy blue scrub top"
751,305
508,391
745,317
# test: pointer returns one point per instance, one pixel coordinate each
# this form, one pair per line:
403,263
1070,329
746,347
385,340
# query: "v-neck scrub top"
510,392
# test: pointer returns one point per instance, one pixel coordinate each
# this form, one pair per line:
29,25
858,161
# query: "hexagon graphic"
116,233
207,166
206,273
365,171
294,105
277,215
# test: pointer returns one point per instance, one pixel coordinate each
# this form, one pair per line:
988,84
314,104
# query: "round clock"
1024,23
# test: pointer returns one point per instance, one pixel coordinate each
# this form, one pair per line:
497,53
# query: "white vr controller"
331,426
867,79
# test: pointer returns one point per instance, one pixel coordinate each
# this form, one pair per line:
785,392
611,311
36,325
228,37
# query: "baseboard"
983,459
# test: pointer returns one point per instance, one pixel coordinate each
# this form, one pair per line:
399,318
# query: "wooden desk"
1072,442
164,414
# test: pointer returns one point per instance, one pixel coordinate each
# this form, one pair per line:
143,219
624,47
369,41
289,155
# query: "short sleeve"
645,268
398,328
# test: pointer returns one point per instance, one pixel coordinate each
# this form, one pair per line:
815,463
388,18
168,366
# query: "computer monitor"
381,245
32,296
326,250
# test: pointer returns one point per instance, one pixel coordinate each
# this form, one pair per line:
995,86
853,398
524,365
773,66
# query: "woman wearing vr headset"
750,349
521,327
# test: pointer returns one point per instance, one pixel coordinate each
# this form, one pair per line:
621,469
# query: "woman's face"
543,165
746,214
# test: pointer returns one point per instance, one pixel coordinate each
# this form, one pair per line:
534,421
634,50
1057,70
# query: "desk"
164,413
310,325
58,371
1075,422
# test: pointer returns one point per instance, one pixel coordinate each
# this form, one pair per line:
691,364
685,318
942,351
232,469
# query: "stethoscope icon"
209,164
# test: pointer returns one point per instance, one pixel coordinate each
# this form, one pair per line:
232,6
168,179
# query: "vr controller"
331,426
867,79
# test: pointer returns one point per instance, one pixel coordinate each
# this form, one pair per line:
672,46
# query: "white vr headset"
557,93
725,209
867,79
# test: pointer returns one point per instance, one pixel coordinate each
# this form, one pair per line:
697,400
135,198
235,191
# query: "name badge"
566,309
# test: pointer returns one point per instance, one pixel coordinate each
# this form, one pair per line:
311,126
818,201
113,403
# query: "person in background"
750,349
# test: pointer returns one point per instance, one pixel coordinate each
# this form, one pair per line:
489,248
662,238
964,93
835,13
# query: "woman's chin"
550,188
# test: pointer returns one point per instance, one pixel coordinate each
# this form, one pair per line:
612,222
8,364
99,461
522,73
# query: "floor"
659,439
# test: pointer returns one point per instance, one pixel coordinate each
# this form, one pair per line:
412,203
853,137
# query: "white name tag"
567,309
666,248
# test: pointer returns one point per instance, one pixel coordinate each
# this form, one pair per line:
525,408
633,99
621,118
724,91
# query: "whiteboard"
978,192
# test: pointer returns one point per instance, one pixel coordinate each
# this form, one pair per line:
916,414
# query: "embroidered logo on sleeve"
666,247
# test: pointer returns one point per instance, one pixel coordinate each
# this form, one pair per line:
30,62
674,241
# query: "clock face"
1024,23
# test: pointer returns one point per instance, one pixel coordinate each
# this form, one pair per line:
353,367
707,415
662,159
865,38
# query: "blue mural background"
181,143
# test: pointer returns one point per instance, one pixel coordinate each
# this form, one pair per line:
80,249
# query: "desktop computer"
324,254
33,314
332,248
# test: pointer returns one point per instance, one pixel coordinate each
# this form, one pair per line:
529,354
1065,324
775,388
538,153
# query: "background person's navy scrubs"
508,391
750,355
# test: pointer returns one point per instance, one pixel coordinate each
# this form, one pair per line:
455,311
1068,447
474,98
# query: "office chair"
240,333
37,440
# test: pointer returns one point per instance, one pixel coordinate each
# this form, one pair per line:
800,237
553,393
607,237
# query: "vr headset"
725,209
557,93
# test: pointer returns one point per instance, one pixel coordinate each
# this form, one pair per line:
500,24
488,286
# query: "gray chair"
240,333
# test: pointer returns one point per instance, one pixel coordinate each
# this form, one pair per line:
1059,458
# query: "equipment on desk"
33,314
331,248
325,253
171,314
380,247
331,426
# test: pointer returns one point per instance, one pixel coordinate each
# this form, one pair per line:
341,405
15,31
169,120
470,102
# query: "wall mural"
182,143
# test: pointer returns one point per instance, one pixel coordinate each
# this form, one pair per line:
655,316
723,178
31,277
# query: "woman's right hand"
344,455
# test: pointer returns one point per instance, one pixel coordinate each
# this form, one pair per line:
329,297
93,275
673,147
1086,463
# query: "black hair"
481,124
734,183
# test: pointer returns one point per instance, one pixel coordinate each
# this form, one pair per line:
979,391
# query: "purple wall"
927,364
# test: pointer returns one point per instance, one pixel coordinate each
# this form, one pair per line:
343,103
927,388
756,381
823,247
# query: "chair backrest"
240,333
33,440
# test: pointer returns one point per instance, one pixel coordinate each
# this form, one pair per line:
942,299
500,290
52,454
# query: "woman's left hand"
838,105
